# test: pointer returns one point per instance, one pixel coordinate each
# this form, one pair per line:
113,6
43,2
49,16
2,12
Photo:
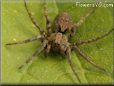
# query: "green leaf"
16,26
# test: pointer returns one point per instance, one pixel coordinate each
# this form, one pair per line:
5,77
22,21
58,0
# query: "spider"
57,40
64,24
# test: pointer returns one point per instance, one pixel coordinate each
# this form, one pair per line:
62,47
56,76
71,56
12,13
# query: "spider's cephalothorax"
58,41
63,23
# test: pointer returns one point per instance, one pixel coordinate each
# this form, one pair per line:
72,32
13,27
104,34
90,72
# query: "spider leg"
33,55
32,19
30,59
24,41
83,18
71,64
48,23
94,39
47,49
87,58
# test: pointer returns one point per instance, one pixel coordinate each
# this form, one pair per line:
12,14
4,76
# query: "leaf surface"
16,26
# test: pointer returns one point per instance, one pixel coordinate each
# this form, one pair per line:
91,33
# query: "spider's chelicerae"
59,39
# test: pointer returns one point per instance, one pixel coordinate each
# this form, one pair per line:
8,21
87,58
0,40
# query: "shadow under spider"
59,39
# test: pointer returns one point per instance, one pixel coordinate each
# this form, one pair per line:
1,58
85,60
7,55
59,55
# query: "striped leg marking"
94,39
88,59
33,20
25,41
48,23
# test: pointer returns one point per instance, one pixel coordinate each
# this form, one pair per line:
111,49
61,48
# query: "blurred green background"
16,26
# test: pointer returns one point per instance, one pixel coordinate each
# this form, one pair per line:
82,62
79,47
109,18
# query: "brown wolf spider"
58,41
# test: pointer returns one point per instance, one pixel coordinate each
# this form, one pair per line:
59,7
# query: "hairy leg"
83,18
47,49
94,39
24,41
33,20
71,64
87,58
30,59
48,23
33,55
